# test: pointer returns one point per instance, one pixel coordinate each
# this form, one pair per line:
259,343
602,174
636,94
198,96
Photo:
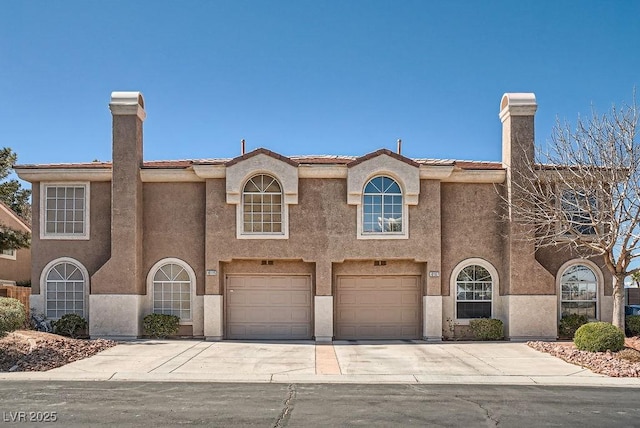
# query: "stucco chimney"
517,111
122,274
116,301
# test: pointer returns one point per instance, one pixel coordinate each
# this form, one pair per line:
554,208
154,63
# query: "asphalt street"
160,404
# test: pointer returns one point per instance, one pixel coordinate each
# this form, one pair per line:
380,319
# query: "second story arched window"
262,205
382,206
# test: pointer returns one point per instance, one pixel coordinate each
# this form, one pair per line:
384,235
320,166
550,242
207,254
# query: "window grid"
382,206
172,291
65,210
262,205
474,288
579,207
65,291
11,252
579,292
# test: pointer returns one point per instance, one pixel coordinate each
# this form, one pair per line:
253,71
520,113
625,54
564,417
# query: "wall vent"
267,263
379,262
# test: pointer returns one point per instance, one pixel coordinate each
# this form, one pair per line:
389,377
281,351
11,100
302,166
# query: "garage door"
268,307
378,307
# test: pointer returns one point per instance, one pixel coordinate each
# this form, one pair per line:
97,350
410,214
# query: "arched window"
262,205
382,206
579,291
173,282
475,284
65,287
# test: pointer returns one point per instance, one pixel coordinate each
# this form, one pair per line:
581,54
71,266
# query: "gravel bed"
607,363
27,350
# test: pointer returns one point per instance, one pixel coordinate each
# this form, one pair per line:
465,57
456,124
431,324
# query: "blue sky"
304,77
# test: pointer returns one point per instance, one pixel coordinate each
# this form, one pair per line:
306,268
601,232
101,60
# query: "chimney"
122,273
399,148
517,111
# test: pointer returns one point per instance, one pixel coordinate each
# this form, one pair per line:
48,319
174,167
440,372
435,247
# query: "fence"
20,293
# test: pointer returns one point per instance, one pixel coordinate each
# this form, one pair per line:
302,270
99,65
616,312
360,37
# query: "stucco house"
265,246
15,265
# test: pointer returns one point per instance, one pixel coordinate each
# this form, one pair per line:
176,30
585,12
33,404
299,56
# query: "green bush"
161,326
12,314
633,325
487,329
70,325
570,323
599,337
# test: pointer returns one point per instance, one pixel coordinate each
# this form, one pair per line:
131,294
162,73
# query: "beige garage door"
268,307
378,307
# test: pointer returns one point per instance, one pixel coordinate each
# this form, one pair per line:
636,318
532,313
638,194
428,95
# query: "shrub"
161,326
633,325
487,329
599,337
570,323
12,314
630,355
70,325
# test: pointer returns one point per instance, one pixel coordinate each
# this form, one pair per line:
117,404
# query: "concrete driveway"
340,362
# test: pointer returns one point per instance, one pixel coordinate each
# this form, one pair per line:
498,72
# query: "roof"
12,214
293,160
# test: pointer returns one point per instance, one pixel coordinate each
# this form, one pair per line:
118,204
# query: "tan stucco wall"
471,227
322,230
92,253
20,268
174,226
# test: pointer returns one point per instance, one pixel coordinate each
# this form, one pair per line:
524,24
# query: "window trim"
360,233
569,214
192,276
284,210
599,286
495,285
86,288
87,208
12,256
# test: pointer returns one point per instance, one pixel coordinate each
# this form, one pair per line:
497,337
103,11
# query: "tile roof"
293,160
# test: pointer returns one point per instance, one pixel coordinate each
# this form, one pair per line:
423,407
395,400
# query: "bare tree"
582,190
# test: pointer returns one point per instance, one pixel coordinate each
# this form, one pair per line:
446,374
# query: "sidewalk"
341,362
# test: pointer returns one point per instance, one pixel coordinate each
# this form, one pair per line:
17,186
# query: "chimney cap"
121,98
127,104
518,104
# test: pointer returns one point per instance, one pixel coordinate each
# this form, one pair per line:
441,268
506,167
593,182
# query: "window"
580,211
382,206
173,283
8,254
579,291
64,211
262,205
474,282
65,288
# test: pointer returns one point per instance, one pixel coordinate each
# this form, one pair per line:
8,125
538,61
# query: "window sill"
83,237
383,236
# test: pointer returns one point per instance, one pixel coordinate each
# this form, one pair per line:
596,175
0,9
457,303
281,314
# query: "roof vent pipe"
242,146
399,150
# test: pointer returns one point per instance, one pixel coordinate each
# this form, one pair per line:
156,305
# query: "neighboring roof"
8,211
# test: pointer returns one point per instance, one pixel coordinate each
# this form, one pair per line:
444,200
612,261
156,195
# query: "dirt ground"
27,350
625,363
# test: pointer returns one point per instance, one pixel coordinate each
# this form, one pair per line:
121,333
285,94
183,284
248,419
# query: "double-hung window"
580,212
64,211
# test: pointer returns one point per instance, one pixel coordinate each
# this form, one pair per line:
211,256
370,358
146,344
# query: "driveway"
339,362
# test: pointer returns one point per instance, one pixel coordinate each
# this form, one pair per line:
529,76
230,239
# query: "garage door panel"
268,307
378,307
